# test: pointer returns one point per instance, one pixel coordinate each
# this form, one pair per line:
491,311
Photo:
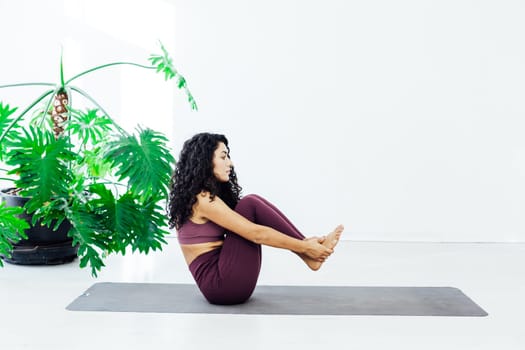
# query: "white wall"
90,33
403,120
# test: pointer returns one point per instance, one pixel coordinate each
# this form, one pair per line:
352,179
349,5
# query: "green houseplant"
81,167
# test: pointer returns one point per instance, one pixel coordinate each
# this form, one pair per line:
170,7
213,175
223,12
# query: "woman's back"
192,233
197,239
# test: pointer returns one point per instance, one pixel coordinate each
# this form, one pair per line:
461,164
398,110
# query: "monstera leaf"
145,162
107,224
164,64
6,120
11,228
89,127
41,162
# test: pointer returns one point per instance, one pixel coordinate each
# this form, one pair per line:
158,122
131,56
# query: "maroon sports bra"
191,233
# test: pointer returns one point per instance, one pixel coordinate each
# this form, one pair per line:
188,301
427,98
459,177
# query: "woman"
220,234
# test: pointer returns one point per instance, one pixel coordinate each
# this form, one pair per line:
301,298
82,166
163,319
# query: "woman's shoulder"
206,201
203,195
206,197
207,204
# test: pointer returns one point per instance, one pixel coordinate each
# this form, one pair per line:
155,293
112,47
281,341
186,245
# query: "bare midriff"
192,251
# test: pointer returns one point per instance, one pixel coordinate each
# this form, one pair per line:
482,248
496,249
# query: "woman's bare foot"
332,238
330,241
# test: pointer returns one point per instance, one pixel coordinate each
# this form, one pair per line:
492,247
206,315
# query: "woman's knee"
250,196
248,206
248,200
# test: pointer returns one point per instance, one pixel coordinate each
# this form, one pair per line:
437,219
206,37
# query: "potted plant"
78,171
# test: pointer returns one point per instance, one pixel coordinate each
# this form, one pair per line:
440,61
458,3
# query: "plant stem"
108,65
85,94
26,84
61,70
44,115
109,182
13,123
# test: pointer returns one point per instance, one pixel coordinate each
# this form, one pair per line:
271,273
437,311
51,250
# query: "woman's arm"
218,212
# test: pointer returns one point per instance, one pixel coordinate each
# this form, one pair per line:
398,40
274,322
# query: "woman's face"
222,164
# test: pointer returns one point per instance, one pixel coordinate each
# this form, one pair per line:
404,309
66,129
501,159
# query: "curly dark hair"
194,174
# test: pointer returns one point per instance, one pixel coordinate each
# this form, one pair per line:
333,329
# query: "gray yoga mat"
280,300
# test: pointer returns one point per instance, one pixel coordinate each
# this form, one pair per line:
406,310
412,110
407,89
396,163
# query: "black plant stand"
48,254
43,246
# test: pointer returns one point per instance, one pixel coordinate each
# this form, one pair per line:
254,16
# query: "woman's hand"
315,250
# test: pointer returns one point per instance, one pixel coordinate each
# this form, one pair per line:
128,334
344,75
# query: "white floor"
33,301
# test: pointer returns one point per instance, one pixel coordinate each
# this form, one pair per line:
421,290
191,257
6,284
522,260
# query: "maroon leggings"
228,275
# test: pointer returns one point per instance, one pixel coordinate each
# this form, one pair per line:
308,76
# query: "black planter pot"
43,246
